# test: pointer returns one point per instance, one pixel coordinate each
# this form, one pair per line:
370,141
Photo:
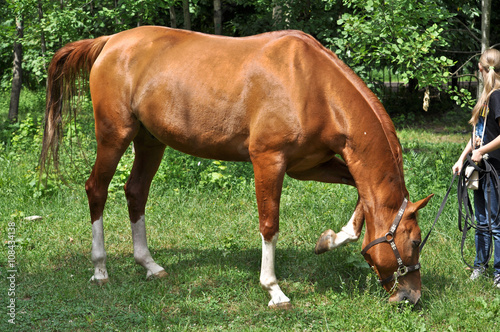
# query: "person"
486,141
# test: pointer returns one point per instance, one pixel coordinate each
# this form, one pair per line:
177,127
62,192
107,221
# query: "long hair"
70,64
490,62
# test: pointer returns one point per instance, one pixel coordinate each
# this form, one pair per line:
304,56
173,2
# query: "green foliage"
463,98
401,35
25,135
179,170
6,47
21,141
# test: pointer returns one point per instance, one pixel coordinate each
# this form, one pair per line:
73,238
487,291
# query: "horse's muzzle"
410,295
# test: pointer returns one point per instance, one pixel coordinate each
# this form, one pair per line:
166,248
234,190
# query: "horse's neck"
380,184
372,150
375,162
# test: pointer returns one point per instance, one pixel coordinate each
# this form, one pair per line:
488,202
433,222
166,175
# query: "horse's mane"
381,114
374,103
384,119
379,111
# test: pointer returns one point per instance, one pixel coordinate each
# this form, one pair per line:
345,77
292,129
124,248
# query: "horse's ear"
411,211
423,202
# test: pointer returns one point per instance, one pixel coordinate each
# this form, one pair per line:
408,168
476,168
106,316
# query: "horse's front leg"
269,170
330,240
334,170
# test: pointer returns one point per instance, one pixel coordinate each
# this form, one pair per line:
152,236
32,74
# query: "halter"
389,237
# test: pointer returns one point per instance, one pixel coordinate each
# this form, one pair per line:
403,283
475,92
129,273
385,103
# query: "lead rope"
441,208
464,204
490,176
466,219
461,183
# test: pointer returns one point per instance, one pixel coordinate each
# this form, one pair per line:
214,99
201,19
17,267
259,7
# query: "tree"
485,36
187,16
173,18
485,24
217,17
277,14
42,33
400,35
17,77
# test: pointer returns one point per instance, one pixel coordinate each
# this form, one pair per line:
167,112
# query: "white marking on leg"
267,276
347,234
330,240
98,255
141,252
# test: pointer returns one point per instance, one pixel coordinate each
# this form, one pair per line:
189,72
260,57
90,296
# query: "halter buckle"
402,270
389,236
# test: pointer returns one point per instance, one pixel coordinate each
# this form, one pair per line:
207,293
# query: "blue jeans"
483,237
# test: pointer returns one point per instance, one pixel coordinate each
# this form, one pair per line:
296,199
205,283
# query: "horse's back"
214,96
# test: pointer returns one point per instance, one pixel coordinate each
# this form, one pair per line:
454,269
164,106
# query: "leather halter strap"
389,237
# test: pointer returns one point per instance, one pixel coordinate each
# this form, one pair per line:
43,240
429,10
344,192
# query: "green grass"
204,231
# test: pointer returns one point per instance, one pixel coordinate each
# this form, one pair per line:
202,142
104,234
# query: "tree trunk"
277,16
42,34
217,17
61,7
173,19
187,17
485,24
485,36
118,21
17,77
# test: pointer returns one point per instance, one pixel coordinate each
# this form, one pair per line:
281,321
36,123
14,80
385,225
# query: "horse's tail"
68,69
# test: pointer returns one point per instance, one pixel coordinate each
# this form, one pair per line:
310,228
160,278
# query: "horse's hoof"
100,282
325,241
281,306
158,275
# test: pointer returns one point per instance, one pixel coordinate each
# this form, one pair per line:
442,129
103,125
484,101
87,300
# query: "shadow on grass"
211,286
206,268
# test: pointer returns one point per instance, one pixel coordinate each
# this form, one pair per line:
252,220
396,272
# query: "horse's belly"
204,142
235,150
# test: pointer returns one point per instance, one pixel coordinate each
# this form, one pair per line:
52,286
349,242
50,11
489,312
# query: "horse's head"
394,252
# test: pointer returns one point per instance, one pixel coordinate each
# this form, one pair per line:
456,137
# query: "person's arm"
494,105
457,168
477,155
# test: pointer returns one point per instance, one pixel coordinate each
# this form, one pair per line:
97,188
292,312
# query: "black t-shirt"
492,128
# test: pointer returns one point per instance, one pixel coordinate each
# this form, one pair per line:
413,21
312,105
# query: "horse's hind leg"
109,151
148,155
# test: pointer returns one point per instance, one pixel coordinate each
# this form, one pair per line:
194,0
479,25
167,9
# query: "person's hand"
457,168
476,156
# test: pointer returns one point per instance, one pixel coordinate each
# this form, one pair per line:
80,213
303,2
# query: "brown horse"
279,100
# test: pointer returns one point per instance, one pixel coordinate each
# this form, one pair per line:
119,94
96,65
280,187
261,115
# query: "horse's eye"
416,243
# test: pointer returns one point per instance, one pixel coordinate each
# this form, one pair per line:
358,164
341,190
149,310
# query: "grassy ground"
204,231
